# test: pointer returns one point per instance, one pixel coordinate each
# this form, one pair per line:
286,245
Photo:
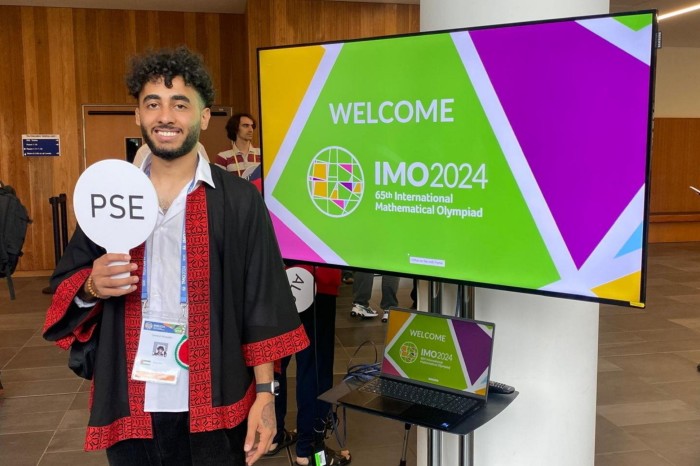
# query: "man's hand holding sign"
117,207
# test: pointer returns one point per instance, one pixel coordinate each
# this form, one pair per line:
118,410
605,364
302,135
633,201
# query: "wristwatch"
268,387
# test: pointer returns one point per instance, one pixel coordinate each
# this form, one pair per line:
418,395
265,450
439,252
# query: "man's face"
245,129
171,118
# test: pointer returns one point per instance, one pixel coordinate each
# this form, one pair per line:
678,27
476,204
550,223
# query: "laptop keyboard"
420,395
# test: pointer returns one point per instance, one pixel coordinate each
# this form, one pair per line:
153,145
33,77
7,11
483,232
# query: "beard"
171,154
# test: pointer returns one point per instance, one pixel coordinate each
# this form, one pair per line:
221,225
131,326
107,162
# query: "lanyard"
183,261
183,272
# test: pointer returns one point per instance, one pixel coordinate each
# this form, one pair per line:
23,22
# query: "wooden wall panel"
13,89
674,208
235,37
285,22
48,84
675,166
53,60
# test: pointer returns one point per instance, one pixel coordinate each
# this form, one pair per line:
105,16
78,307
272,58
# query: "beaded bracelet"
91,289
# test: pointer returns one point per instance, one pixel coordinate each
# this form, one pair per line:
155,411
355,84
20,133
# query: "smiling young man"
211,269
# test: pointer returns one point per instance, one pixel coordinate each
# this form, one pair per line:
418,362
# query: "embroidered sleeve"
57,325
275,348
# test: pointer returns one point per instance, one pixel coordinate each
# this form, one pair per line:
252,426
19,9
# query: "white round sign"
302,284
116,205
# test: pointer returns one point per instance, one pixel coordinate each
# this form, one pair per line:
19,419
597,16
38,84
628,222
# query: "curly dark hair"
168,64
234,122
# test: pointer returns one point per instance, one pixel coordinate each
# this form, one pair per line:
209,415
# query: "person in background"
362,293
243,160
211,269
314,377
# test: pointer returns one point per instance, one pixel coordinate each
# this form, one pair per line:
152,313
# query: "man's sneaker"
363,311
385,317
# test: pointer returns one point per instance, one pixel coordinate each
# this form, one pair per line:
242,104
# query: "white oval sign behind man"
301,281
116,205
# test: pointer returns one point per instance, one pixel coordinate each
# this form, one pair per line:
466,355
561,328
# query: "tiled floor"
648,385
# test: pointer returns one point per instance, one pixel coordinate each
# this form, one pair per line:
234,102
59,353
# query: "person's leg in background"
324,339
414,294
390,286
315,376
307,387
361,294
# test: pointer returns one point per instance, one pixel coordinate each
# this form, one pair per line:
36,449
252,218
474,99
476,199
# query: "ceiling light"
679,12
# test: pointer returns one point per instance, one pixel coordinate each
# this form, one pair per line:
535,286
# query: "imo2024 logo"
408,352
335,181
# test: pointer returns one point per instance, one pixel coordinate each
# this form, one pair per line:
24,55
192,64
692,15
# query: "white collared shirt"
163,248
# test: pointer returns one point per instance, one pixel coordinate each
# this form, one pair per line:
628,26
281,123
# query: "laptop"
442,358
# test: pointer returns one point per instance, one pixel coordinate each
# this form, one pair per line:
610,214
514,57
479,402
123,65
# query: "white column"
546,347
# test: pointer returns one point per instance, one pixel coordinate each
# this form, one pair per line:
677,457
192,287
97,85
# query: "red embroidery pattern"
275,348
208,418
62,300
197,235
132,333
204,416
138,423
83,333
128,427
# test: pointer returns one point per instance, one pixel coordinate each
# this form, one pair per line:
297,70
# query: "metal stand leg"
465,308
435,436
10,285
62,198
60,229
434,447
56,228
54,201
289,455
405,444
466,450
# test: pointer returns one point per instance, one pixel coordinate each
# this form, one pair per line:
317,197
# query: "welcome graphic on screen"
454,354
512,156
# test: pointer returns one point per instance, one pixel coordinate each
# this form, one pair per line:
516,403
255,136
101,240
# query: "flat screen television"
514,156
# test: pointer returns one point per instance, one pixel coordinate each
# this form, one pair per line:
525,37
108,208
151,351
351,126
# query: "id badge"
156,357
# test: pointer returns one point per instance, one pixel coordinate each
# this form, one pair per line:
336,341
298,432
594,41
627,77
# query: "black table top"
494,406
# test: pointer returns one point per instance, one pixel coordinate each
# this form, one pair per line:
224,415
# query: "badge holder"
320,454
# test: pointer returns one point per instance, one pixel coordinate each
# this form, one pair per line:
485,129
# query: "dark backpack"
13,229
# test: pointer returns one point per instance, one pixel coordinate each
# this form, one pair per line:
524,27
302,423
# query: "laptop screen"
448,352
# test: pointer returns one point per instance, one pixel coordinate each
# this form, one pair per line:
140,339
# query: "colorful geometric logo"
408,352
335,181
